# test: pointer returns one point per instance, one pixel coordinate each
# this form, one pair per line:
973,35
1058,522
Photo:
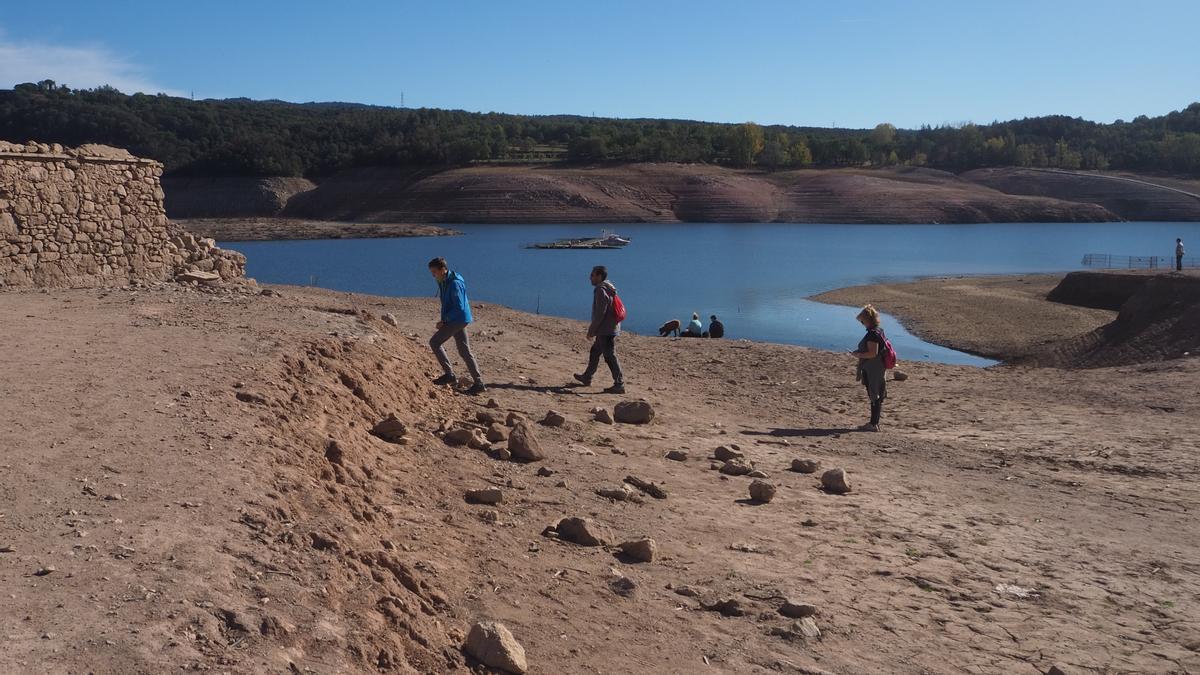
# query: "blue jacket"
455,306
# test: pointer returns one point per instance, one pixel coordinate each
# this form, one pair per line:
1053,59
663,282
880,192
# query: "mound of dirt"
671,193
1160,320
230,196
1128,196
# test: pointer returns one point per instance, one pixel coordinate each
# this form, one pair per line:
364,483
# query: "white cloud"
76,67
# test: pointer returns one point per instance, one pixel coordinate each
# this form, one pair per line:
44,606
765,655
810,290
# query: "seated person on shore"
694,327
716,329
668,328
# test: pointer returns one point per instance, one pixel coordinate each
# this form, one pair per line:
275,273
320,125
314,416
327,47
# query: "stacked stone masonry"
92,216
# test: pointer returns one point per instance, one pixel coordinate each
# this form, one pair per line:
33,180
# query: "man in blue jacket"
456,314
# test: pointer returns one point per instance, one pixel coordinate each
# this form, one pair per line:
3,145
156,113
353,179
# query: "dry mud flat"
190,483
274,229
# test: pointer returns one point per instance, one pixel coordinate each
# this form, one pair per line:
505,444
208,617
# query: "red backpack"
618,308
889,353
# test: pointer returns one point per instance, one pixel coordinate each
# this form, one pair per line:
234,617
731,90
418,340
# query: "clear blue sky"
800,62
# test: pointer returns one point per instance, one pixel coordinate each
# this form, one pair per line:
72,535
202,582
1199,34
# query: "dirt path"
1001,317
1003,521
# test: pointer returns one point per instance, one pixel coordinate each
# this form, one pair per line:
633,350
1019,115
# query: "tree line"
275,138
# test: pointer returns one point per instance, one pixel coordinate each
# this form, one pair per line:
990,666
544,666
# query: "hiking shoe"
615,389
477,388
869,427
585,381
446,379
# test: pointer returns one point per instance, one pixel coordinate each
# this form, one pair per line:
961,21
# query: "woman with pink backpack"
875,356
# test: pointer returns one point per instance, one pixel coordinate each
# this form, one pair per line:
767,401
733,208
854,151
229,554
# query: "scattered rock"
554,418
805,465
808,628
620,494
736,467
514,418
523,444
390,429
677,455
899,375
762,491
497,432
545,472
640,550
251,397
726,607
757,473
390,319
43,571
835,481
493,645
688,591
582,531
198,276
603,416
1056,670
623,586
488,418
7,548
485,496
656,491
502,453
714,466
459,436
725,453
633,412
493,403
797,610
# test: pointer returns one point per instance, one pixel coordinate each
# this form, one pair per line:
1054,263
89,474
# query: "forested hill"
274,138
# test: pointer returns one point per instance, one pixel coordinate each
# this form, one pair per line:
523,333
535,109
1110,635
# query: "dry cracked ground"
189,482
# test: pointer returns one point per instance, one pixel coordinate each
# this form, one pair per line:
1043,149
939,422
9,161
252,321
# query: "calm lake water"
755,277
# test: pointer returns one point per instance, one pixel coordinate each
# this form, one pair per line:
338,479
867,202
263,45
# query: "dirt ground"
1001,317
275,229
188,484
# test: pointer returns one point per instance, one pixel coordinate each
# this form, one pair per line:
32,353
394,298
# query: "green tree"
746,142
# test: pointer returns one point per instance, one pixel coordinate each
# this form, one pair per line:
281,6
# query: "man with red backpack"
607,314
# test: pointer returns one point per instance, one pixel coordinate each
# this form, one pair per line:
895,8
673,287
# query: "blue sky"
850,64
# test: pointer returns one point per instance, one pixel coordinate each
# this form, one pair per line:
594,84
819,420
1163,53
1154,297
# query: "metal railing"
1107,261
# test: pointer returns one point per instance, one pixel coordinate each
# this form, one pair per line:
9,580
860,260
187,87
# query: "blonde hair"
871,315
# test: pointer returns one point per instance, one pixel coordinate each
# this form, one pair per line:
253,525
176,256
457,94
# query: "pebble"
797,610
805,465
43,571
757,473
677,455
725,453
485,496
603,416
623,586
545,472
736,467
640,550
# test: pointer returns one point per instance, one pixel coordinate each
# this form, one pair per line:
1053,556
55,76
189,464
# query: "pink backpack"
889,353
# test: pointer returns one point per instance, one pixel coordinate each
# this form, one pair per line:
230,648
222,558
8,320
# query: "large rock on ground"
582,531
762,491
390,429
726,453
640,550
835,481
459,436
633,412
554,418
493,645
523,444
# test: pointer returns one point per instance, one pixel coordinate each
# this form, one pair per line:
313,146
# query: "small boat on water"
605,240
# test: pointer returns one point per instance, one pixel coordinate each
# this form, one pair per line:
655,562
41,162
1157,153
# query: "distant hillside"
240,137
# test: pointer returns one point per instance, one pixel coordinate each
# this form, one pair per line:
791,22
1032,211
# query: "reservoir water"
755,277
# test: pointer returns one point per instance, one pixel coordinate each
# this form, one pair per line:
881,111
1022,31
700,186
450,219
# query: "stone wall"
92,216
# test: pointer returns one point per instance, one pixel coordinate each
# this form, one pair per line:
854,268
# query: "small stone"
623,586
603,416
640,550
726,607
1056,670
677,456
714,466
43,571
497,432
485,496
545,472
502,453
554,418
633,412
488,418
808,628
805,465
736,467
688,591
514,418
899,375
390,429
797,610
493,645
762,491
724,453
620,494
523,444
458,436
582,531
390,319
493,403
835,481
757,473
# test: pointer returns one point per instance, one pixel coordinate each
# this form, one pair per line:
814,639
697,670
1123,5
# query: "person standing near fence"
1178,255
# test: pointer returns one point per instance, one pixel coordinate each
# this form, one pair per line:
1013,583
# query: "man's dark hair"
438,263
602,271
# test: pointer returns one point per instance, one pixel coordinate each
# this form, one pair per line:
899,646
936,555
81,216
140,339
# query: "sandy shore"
264,229
191,485
1000,317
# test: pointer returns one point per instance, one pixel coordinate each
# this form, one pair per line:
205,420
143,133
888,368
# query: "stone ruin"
93,216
